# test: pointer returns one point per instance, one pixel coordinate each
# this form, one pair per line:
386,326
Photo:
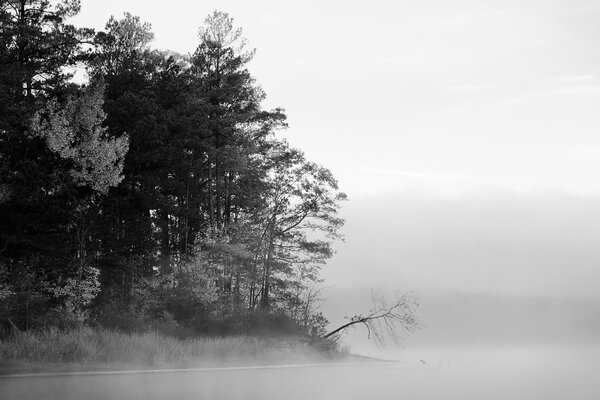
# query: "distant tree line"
154,193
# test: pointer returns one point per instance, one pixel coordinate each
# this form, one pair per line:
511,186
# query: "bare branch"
385,319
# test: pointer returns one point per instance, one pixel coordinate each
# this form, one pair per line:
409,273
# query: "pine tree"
55,159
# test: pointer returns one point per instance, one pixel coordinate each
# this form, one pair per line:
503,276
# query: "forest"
144,189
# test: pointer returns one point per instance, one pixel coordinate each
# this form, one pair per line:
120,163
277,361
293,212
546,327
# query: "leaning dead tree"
387,319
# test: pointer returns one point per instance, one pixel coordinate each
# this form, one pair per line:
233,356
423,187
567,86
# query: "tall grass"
100,348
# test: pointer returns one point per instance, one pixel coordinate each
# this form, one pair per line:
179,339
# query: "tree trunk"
218,194
346,326
211,204
165,248
266,288
228,199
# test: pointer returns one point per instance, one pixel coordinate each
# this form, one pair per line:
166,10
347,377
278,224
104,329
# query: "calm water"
459,373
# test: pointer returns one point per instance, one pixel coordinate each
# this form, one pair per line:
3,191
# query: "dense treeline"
153,193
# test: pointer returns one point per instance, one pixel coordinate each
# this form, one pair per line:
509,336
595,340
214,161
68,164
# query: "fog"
491,266
453,319
494,241
496,373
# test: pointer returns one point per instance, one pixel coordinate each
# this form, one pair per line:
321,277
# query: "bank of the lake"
97,349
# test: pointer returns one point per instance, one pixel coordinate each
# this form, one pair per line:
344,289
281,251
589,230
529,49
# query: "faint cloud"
575,79
526,97
516,93
474,87
417,175
465,18
552,92
584,154
460,184
453,183
576,90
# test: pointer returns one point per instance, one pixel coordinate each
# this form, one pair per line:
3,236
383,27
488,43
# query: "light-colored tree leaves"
75,133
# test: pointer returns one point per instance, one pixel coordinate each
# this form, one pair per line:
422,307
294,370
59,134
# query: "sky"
465,133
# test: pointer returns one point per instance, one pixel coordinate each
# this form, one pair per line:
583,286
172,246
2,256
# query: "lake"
510,372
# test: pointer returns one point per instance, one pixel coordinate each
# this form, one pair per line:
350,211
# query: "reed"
97,348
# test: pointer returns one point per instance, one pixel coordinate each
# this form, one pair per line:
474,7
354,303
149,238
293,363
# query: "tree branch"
385,320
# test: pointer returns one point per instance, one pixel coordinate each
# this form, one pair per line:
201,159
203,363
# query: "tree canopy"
157,193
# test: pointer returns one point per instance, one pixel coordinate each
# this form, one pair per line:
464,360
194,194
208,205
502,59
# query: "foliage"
86,348
157,195
75,133
55,164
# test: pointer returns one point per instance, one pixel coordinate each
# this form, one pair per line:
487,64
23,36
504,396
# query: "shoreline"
353,359
86,349
123,369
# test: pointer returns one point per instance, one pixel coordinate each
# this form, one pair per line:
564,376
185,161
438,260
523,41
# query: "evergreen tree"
126,237
55,159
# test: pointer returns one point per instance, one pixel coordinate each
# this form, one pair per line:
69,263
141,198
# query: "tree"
304,305
301,196
36,45
233,101
123,47
55,158
386,319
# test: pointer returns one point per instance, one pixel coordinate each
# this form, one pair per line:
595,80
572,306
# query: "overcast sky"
465,133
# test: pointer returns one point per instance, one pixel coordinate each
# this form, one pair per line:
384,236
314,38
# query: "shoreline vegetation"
88,349
151,213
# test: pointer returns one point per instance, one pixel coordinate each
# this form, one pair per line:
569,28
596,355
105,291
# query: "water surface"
438,373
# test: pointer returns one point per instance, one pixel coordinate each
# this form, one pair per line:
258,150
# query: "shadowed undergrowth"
87,348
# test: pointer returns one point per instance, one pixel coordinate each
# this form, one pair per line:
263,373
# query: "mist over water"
500,372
